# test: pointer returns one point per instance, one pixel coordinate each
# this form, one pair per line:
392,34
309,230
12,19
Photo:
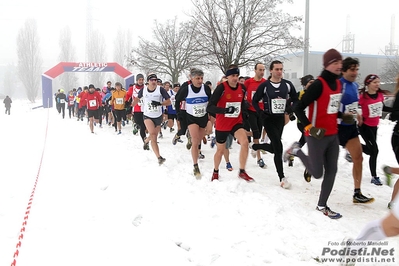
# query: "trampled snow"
102,200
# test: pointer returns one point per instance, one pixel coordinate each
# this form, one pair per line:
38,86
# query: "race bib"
152,108
352,108
92,103
119,100
71,102
62,101
278,106
333,104
237,106
375,110
199,110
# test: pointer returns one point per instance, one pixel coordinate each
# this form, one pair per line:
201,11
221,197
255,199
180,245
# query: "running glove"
230,110
348,119
155,103
317,132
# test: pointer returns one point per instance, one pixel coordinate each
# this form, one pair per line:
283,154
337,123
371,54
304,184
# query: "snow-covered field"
102,200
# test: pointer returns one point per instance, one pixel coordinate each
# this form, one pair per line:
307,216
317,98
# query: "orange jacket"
118,99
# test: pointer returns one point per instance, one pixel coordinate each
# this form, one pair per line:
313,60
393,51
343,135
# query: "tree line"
216,34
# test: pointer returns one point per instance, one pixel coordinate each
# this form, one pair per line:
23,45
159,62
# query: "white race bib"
375,110
278,106
352,108
71,102
333,104
237,106
92,103
62,101
199,110
173,104
119,100
152,108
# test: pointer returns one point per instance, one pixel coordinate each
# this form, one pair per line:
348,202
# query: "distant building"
293,65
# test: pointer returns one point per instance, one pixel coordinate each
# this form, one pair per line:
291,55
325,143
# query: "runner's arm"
312,94
212,105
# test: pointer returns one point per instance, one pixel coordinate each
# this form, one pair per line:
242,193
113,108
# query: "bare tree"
67,54
120,50
122,46
97,54
128,46
9,81
390,70
29,58
173,50
243,31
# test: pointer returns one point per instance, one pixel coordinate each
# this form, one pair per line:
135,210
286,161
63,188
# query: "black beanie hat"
330,57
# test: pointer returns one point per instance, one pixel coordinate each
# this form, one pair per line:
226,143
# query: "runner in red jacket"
93,101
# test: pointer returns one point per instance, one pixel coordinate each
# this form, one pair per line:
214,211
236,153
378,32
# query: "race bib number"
237,106
92,103
375,110
62,101
119,100
152,108
199,110
333,104
278,106
71,102
352,108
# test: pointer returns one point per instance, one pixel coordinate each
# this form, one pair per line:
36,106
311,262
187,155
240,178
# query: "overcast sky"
370,21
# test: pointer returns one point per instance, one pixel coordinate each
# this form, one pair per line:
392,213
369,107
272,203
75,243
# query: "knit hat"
139,76
330,57
91,86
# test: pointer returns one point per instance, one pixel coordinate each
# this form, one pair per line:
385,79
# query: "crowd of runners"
331,110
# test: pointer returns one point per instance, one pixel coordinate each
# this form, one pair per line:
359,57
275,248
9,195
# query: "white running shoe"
284,183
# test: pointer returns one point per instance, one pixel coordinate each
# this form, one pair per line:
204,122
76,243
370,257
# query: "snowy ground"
102,200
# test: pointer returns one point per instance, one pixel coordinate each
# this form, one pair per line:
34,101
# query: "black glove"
230,110
317,132
155,103
348,119
292,116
